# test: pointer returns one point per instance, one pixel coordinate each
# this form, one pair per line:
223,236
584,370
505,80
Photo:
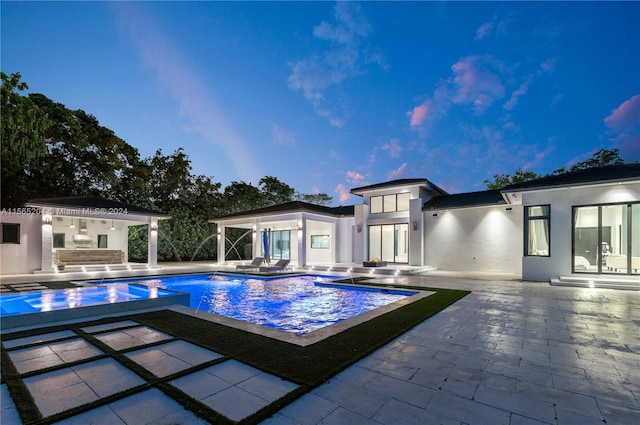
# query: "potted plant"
61,265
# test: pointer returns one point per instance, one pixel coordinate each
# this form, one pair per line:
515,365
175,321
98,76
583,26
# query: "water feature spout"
200,246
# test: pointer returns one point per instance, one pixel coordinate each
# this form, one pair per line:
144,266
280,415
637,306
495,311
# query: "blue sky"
331,96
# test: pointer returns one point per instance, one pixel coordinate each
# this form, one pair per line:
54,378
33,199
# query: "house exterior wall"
562,202
25,256
320,255
344,240
475,239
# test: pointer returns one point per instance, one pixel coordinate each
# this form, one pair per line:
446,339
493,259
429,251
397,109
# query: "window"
537,231
279,245
102,241
605,238
58,240
389,242
390,203
10,233
320,241
376,204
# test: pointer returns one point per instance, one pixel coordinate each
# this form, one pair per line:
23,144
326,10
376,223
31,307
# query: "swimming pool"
49,306
296,304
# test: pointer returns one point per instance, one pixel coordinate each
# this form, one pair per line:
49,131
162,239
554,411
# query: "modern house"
583,222
82,232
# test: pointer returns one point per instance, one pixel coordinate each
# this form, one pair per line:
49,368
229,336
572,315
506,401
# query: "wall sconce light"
359,227
46,219
112,226
435,214
415,225
509,208
72,225
154,227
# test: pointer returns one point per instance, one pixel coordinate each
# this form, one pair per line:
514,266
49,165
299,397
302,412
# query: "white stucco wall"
25,256
562,202
344,240
316,255
485,239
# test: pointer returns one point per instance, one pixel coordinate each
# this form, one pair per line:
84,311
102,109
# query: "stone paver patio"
517,353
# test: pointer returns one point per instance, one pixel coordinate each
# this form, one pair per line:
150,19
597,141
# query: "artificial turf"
307,366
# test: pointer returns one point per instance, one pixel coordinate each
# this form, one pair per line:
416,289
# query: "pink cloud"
626,117
484,30
394,147
420,113
354,177
398,172
477,82
343,192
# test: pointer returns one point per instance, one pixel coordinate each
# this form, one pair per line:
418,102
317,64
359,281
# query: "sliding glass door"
389,242
606,239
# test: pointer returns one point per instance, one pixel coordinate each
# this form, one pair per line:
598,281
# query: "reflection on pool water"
60,299
297,304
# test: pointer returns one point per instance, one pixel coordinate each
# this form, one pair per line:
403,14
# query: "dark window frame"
544,218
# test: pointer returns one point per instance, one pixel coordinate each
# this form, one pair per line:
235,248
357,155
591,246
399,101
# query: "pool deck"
508,353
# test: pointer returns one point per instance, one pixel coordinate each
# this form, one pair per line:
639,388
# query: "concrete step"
631,283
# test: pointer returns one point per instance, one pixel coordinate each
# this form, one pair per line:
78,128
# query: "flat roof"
607,173
79,202
396,183
462,200
293,206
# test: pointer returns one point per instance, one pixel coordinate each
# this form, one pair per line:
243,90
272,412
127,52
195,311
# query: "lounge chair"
280,266
255,264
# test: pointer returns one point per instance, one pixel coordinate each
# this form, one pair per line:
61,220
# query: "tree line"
49,150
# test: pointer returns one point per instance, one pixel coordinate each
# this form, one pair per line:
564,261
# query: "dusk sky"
331,96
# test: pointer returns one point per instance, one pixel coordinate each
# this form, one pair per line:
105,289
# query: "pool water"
298,304
61,299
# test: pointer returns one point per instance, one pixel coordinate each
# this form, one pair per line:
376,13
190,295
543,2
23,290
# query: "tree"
600,158
501,180
274,191
316,198
23,127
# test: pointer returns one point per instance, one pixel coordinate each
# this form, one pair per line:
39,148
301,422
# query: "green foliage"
501,180
316,198
49,150
23,126
600,158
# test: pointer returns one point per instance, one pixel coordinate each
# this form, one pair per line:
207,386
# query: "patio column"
220,240
152,252
47,242
302,237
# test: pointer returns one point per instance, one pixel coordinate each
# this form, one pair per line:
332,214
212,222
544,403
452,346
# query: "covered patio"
92,234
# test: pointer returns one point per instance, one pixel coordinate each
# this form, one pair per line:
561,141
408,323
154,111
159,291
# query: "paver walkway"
509,353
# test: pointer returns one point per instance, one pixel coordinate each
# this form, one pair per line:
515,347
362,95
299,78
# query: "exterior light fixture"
46,220
154,227
415,225
359,227
509,208
72,225
112,226
435,214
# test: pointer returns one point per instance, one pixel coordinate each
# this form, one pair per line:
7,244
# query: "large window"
389,242
537,233
606,238
390,203
279,245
